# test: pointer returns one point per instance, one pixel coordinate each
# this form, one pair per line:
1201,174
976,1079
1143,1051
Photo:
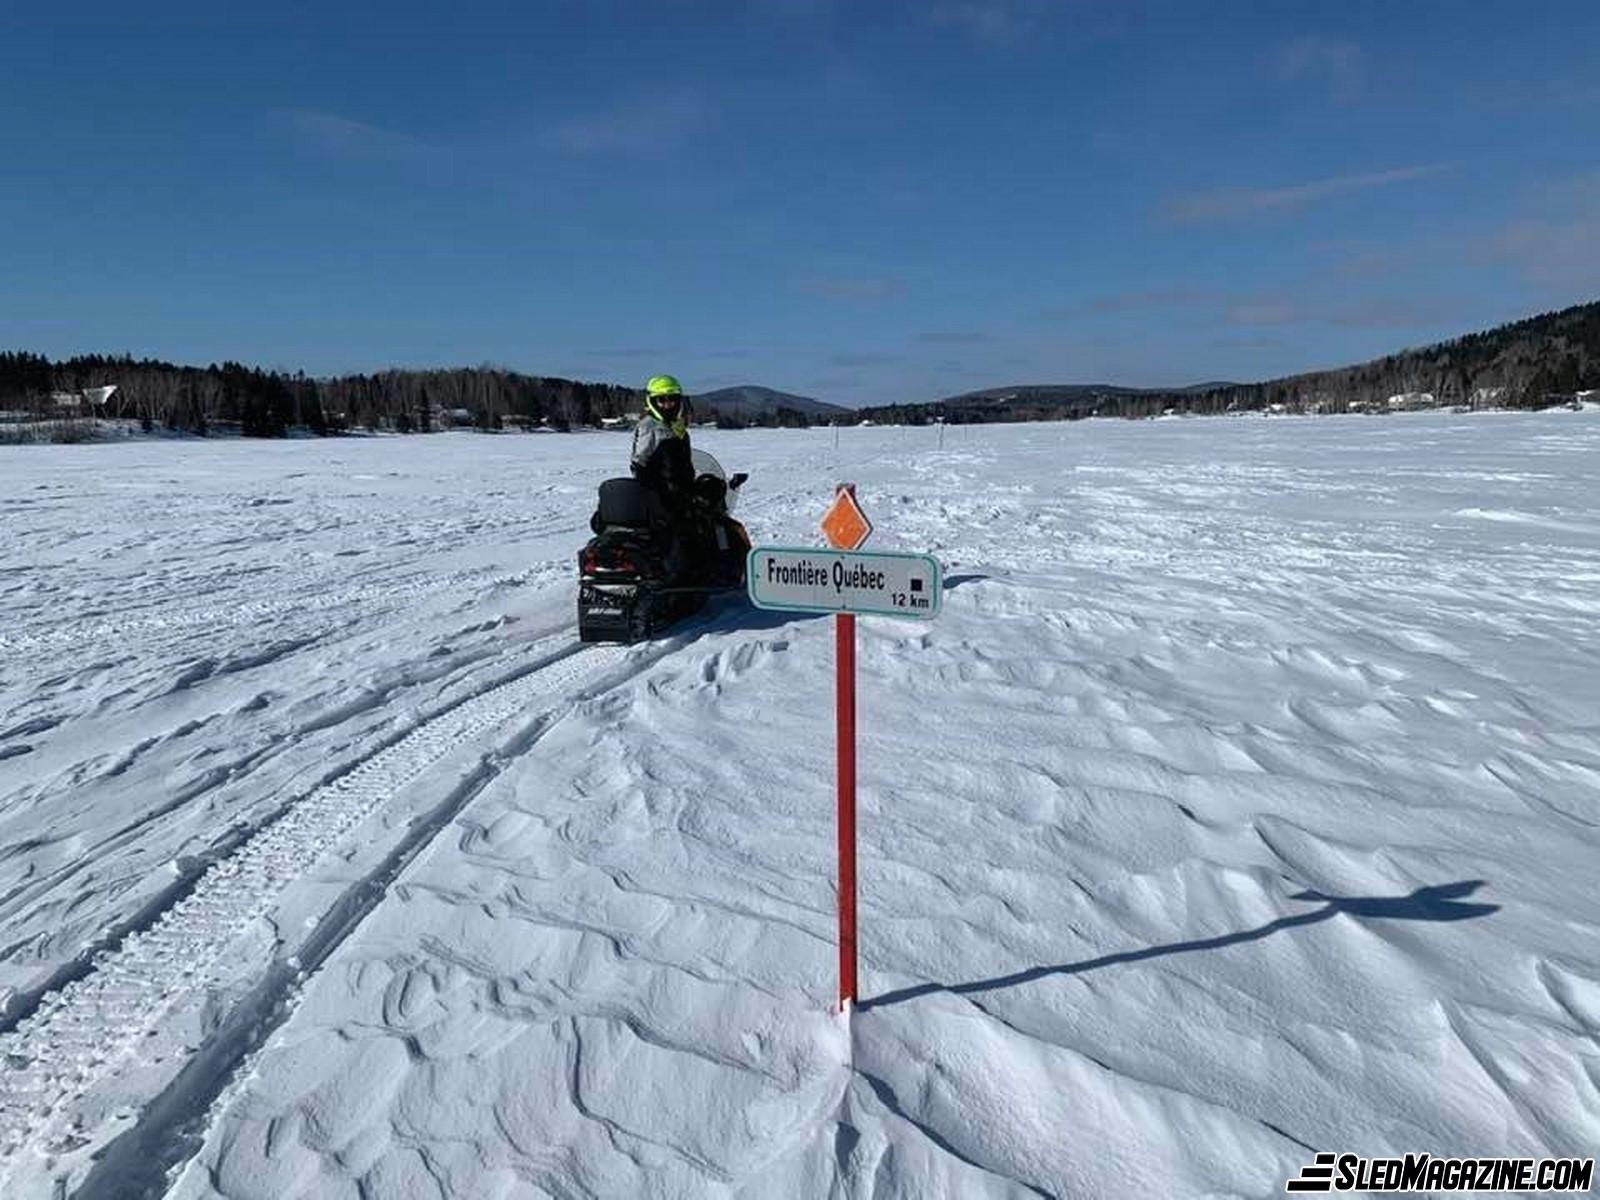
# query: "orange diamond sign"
844,524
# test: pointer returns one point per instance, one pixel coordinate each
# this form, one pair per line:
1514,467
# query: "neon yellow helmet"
663,385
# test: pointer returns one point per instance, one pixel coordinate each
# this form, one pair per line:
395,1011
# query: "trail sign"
844,524
845,581
803,579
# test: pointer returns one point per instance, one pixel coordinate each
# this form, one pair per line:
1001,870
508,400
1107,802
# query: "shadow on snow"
1441,902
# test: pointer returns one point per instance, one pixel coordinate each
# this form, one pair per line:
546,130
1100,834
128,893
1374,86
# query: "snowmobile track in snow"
288,616
95,1026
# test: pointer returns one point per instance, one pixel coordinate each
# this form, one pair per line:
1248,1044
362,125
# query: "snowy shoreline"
109,432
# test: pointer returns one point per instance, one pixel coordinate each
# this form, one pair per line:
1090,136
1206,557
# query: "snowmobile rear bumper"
610,611
614,612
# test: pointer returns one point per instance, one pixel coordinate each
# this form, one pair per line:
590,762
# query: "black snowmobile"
640,572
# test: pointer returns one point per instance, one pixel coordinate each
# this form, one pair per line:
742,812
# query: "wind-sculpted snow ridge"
66,1058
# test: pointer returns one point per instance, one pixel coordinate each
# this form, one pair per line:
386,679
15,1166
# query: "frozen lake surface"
1243,802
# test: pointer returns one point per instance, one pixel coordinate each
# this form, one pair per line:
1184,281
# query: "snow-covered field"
1243,802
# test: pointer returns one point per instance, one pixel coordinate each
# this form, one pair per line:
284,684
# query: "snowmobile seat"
623,505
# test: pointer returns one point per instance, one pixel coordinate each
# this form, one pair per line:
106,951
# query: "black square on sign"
916,585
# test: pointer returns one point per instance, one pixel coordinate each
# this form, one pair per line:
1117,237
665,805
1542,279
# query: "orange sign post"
846,527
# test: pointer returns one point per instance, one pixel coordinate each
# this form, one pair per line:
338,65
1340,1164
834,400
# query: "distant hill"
1044,401
1533,363
751,402
1037,395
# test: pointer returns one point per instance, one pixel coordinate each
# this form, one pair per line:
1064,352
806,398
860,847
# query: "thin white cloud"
1336,63
986,20
1135,302
1555,243
952,337
797,8
1357,258
1368,312
654,125
1500,94
1263,312
1309,304
1248,343
344,137
1235,203
1554,253
867,289
626,352
1577,194
865,358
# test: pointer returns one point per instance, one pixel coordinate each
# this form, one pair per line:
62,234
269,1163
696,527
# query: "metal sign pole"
845,704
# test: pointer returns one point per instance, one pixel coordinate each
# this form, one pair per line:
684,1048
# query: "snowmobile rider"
661,460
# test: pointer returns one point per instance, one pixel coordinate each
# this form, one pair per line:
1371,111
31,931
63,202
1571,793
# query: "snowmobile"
640,573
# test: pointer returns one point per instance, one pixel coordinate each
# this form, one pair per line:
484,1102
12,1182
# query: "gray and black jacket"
661,462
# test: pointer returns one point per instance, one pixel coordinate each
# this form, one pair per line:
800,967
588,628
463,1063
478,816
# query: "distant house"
78,402
1487,397
615,422
458,416
1408,401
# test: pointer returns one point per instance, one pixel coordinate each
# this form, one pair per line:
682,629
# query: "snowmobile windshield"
704,464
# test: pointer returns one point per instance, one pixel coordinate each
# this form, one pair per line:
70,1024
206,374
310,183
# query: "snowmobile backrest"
622,503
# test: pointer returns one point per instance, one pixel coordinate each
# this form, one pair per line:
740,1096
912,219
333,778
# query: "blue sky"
862,201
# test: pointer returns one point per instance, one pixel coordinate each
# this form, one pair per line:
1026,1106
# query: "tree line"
233,398
261,403
1534,363
1531,363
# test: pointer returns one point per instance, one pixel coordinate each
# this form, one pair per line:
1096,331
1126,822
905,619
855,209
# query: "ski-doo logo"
1425,1173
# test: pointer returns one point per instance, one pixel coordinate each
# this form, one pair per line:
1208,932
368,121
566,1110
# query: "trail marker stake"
844,640
846,527
845,581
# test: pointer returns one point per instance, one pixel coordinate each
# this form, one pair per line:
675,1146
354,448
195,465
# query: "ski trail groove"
93,1027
